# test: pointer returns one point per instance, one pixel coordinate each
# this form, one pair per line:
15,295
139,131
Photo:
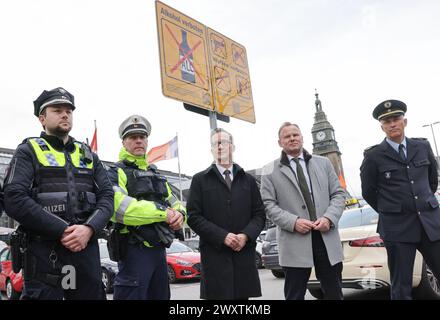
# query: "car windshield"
350,218
177,247
358,217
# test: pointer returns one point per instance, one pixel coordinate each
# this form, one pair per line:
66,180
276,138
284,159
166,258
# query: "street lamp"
433,135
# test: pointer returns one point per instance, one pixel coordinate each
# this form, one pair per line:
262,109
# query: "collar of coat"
412,147
285,160
236,169
130,159
57,143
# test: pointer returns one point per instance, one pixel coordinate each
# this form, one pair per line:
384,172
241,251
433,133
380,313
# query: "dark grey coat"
213,212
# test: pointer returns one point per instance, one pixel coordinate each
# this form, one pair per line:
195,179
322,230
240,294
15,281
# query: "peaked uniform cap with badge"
389,108
53,97
134,124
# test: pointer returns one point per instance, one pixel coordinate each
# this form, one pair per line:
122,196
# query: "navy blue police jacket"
402,191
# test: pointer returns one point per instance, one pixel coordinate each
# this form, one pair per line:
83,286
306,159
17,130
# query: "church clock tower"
324,141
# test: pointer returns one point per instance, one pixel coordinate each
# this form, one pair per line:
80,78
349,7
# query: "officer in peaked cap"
399,179
389,108
147,217
59,192
53,97
134,124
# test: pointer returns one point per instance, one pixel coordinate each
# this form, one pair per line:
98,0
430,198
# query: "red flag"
94,144
166,151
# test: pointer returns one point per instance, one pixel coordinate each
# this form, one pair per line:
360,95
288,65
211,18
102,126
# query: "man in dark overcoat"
225,209
399,177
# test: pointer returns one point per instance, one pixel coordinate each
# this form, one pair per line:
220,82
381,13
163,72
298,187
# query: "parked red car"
183,262
10,282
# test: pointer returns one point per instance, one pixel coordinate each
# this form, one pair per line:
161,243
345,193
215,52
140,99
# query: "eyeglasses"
221,142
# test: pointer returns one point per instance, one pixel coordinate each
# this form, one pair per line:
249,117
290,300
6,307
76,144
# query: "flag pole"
178,165
95,136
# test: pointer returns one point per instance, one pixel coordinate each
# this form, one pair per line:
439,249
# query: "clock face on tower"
320,135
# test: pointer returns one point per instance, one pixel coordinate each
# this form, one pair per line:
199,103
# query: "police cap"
389,108
134,124
53,97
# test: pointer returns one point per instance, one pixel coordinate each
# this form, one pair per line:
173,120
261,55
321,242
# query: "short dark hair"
44,113
287,124
220,130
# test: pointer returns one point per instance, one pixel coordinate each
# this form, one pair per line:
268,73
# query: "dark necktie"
227,174
305,189
401,152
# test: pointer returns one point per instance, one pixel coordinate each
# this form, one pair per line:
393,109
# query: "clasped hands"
235,241
76,237
304,226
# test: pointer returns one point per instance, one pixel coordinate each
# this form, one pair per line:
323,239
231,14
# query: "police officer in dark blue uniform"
59,192
399,178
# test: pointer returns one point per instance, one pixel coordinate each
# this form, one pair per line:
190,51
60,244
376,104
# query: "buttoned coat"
213,212
285,203
402,191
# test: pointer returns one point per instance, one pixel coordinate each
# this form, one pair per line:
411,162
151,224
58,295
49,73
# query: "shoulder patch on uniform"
422,139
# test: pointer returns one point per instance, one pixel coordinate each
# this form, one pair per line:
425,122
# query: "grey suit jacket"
284,204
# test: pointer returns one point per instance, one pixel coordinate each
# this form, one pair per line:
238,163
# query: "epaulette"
422,139
110,165
152,167
29,138
370,148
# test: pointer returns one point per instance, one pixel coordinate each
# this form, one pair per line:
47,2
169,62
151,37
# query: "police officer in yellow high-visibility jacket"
59,192
144,208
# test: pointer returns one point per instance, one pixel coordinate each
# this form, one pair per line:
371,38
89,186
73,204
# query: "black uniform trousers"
143,274
329,276
45,279
401,257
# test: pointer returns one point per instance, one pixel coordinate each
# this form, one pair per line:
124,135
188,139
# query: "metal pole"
433,135
213,120
178,166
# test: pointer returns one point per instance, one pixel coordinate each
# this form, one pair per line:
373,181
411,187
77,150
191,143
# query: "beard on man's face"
61,131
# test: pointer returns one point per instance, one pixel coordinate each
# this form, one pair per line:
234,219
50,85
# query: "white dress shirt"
223,169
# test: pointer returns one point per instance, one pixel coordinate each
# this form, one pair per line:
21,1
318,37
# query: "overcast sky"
105,52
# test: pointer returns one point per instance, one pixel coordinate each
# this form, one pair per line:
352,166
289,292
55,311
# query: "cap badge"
61,90
387,104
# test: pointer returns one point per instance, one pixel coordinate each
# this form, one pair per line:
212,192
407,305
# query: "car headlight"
184,263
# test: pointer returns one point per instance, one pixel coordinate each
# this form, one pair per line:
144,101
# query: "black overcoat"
213,212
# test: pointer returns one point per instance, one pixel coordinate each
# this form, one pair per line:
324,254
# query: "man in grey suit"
305,200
